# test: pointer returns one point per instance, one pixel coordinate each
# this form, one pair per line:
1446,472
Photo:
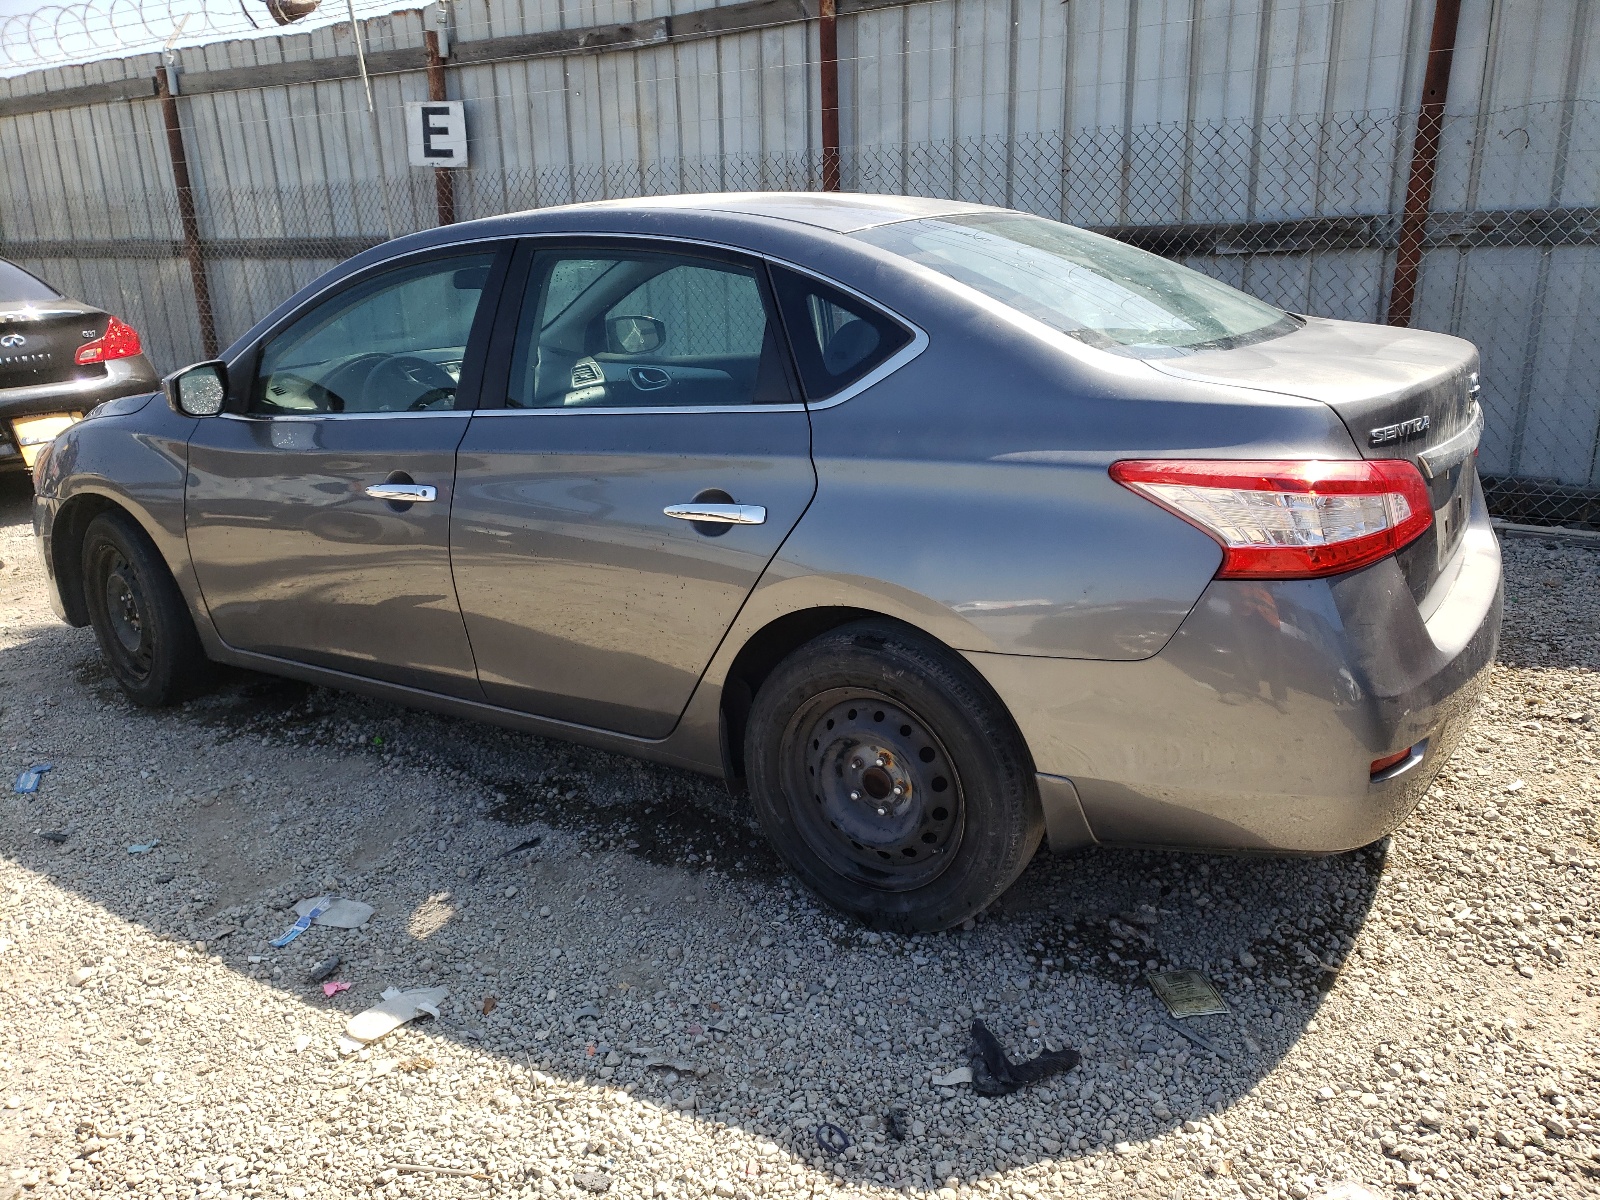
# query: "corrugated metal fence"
1268,142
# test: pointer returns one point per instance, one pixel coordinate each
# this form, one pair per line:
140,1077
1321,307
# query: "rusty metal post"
444,183
1424,161
828,72
192,250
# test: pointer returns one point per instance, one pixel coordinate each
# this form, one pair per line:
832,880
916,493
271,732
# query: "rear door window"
631,328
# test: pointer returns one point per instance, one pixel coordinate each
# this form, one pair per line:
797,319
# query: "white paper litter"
396,1009
959,1075
339,914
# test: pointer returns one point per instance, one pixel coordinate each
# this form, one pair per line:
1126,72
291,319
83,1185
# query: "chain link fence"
1307,214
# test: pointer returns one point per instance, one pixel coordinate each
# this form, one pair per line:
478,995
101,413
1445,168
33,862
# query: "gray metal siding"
1117,114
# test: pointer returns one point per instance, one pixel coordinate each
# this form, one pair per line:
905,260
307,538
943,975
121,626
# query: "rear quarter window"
837,339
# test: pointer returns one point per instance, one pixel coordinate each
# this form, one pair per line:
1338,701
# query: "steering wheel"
405,372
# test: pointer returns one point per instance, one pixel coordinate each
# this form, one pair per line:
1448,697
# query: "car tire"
147,637
891,779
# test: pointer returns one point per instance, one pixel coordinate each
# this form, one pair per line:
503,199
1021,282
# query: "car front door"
318,512
640,454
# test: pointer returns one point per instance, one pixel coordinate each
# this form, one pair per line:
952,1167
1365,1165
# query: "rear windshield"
17,284
1100,291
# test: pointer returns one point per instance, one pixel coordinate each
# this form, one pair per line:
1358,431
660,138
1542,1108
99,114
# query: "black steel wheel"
888,776
887,803
126,609
144,629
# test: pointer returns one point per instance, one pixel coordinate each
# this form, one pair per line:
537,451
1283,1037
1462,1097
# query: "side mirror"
197,391
634,335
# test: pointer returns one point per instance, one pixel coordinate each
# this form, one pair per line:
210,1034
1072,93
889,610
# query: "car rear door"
319,515
636,384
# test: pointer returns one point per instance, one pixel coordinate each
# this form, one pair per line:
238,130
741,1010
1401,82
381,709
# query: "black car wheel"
144,629
890,779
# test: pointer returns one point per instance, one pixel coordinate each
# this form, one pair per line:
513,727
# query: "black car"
58,359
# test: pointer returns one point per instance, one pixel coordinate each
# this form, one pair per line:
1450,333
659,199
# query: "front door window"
392,344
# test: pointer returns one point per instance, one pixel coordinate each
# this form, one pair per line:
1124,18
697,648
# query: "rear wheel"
890,779
146,634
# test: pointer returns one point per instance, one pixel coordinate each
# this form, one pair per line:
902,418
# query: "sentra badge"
1402,432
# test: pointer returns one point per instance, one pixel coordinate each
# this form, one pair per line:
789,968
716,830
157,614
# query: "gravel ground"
643,1004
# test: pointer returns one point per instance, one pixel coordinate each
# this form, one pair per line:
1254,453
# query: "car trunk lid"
38,341
1401,393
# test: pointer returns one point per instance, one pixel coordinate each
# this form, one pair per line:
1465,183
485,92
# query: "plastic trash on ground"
657,1062
335,912
395,1010
295,930
1187,994
28,781
832,1139
333,987
144,847
1204,1043
994,1074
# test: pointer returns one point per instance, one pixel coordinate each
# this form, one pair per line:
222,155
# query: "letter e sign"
436,133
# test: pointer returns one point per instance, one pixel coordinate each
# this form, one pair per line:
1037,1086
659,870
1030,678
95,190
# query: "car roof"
838,212
806,226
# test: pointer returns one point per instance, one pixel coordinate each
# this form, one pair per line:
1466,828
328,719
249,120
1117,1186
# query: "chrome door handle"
719,514
404,493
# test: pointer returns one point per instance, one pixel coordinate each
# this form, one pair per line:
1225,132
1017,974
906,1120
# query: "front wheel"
146,634
890,779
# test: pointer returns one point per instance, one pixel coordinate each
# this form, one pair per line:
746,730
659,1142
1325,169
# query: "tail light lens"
1380,765
1290,519
120,340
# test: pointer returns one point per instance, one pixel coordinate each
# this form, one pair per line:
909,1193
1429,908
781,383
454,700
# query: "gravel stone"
674,1017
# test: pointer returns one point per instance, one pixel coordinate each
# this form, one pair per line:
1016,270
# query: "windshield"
17,284
1098,290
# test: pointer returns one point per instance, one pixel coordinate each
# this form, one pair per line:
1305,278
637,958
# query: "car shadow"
273,790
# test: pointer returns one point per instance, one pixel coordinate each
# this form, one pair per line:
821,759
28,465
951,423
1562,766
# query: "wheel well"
767,647
66,550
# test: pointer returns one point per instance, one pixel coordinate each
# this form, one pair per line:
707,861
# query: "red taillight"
120,340
1290,519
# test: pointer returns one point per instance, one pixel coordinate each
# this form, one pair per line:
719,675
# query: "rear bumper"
1256,726
123,377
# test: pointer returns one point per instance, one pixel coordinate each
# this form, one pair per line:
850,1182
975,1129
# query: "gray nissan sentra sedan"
941,529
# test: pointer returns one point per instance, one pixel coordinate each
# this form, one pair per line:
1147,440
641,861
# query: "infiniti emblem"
13,339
